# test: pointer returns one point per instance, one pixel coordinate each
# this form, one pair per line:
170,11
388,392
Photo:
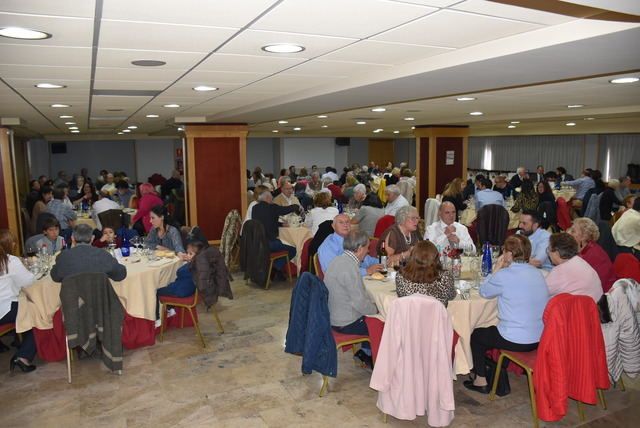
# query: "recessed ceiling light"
23,33
378,109
120,133
413,127
396,132
361,122
126,130
409,118
297,128
511,126
283,48
589,118
575,105
73,127
625,80
570,124
152,116
132,127
283,122
204,88
180,128
275,131
148,63
75,131
465,99
69,123
376,131
65,116
49,86
171,105
324,126
322,116
514,122
476,113
60,105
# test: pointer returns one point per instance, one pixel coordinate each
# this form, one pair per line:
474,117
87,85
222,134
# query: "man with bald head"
447,231
286,196
332,247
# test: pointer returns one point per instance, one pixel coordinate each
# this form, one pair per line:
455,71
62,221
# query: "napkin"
161,262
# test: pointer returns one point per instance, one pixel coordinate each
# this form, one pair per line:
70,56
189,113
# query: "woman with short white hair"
586,234
400,238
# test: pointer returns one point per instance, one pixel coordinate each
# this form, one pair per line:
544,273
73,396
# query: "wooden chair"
6,328
272,258
185,303
342,341
317,267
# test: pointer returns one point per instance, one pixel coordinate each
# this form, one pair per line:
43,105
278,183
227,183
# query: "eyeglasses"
414,218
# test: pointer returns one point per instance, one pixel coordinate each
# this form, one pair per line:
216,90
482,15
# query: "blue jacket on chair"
309,331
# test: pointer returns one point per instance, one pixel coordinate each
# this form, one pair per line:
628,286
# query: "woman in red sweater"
585,231
148,199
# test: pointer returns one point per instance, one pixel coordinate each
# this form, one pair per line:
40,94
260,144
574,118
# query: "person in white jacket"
447,232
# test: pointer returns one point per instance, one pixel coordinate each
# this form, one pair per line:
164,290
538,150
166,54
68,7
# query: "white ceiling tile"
320,67
44,73
384,52
138,74
83,8
260,64
215,78
220,13
455,29
161,37
73,99
250,42
123,57
343,18
148,85
64,31
44,55
287,83
434,3
512,12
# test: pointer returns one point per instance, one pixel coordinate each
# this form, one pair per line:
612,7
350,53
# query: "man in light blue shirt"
486,196
539,238
582,185
332,247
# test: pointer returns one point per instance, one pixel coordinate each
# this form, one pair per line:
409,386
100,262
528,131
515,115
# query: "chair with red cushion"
627,266
344,342
373,247
564,214
6,328
384,223
305,260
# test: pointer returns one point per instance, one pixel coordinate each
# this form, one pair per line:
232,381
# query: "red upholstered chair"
6,328
627,266
384,223
564,214
344,342
305,260
375,326
373,244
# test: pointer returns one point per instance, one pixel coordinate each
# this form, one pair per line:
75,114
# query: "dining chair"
188,304
343,342
317,267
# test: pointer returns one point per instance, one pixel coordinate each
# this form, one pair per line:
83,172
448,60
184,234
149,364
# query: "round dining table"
295,236
466,314
86,219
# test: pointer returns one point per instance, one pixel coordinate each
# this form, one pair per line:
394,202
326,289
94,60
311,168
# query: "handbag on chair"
504,388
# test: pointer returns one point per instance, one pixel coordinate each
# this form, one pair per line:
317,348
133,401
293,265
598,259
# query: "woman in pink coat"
148,199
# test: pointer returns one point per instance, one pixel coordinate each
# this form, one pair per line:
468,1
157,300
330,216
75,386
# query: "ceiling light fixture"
378,109
476,113
297,128
589,118
624,80
132,127
69,123
49,86
65,116
73,127
283,122
120,133
75,131
413,127
511,126
171,105
514,122
376,131
324,126
322,116
570,124
409,118
180,128
126,130
575,105
205,88
23,33
275,131
152,116
396,132
60,105
283,48
465,99
148,63
361,122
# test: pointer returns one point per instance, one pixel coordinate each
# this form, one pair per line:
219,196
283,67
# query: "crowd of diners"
536,263
55,206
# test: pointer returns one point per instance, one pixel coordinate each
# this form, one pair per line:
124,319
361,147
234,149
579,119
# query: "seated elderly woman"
424,274
401,237
586,234
359,194
322,212
571,274
13,277
164,236
522,296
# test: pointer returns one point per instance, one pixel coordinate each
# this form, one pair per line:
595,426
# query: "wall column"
9,207
441,156
215,175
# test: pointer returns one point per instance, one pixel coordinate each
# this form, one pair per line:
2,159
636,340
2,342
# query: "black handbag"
603,310
503,382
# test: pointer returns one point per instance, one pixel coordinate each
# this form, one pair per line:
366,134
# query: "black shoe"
26,368
481,389
367,361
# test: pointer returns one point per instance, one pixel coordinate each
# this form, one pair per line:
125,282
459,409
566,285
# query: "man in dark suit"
539,175
516,180
84,258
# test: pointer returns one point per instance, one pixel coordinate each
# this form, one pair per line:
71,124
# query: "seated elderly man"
349,302
332,247
359,193
85,258
314,185
626,231
394,200
286,197
539,238
518,178
110,186
486,196
502,186
447,231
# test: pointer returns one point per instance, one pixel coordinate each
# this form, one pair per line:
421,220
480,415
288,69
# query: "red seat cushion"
6,328
279,254
341,337
173,300
529,358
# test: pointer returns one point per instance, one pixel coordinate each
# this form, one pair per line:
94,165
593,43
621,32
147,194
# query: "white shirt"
435,233
319,215
248,215
109,188
332,175
101,206
392,207
17,277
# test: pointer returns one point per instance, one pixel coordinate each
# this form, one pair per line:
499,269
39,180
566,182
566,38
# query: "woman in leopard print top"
424,274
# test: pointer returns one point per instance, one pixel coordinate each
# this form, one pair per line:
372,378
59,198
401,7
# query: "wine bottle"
382,256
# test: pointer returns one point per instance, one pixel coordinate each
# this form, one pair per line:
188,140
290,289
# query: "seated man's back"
84,258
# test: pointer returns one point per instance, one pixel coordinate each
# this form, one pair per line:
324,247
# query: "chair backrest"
547,211
606,240
627,266
385,222
26,222
431,207
317,267
593,208
254,251
112,218
373,247
304,257
563,214
230,235
493,222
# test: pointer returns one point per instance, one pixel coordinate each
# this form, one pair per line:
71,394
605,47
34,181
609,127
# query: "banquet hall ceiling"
412,57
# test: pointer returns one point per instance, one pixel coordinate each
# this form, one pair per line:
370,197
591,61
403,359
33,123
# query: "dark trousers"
176,289
277,245
27,349
357,327
483,339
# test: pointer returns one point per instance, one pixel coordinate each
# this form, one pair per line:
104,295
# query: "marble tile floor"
244,379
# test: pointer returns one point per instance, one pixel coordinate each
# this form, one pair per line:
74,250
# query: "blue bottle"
126,245
486,259
340,207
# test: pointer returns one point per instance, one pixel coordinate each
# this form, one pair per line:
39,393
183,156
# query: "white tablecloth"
564,193
296,237
466,315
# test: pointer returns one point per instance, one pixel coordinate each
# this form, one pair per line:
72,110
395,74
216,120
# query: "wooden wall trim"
12,209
